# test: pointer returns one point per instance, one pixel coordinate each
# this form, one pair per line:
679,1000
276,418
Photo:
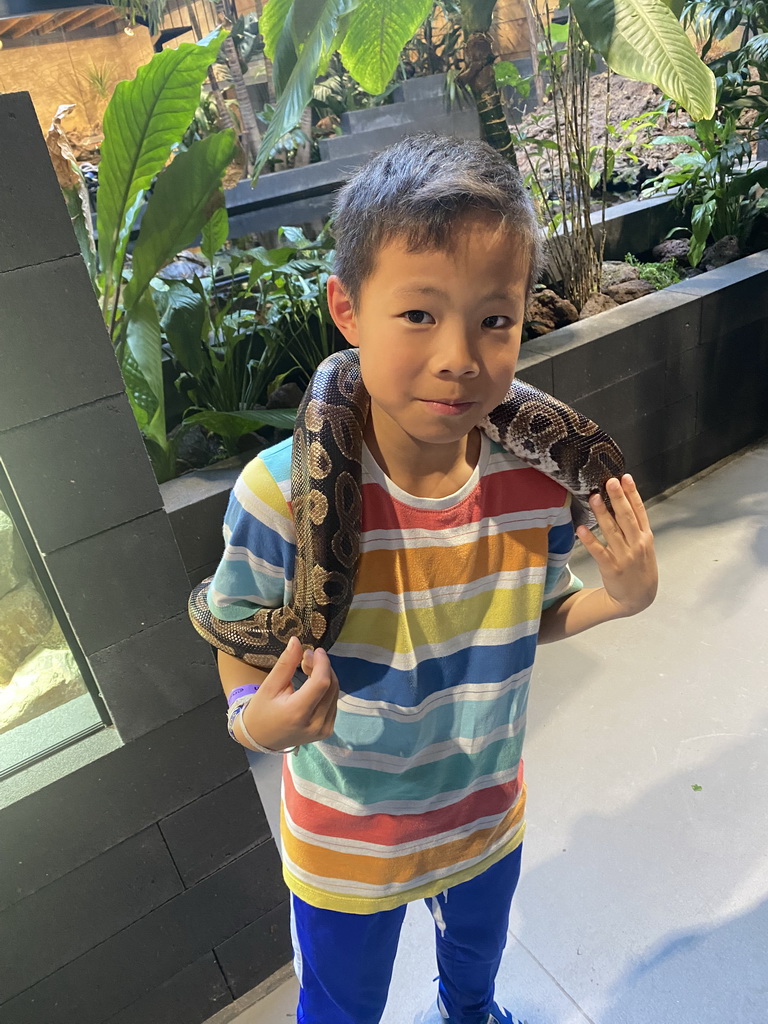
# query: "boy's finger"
309,695
282,672
633,496
605,519
623,511
590,541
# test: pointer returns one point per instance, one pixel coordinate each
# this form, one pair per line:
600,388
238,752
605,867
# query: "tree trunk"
250,138
304,152
221,107
480,78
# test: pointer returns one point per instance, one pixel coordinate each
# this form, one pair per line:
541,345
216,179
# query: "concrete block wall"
138,878
679,378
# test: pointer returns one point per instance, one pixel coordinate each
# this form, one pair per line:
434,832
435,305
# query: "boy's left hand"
627,561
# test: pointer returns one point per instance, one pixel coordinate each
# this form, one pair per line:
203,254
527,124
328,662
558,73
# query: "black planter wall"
138,878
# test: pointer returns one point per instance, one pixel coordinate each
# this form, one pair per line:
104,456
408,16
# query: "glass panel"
44,701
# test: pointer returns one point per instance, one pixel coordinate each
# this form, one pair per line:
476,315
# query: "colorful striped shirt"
420,786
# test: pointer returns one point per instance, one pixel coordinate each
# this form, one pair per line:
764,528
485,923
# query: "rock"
597,303
25,618
286,396
671,249
46,680
195,448
9,575
616,272
547,311
629,290
725,250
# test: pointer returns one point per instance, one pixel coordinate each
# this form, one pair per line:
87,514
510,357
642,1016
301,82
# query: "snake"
326,500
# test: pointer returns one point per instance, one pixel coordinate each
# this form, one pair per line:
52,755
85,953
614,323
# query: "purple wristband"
240,691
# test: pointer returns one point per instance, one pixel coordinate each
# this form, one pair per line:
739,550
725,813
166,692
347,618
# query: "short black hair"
419,189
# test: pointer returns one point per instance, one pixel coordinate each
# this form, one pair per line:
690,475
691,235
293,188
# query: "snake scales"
327,502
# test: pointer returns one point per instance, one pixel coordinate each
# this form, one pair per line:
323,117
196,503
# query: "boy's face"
438,333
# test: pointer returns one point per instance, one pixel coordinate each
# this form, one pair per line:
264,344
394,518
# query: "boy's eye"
418,316
496,321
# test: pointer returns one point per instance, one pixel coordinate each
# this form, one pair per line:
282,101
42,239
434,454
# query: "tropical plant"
234,343
741,75
714,183
146,12
638,38
180,191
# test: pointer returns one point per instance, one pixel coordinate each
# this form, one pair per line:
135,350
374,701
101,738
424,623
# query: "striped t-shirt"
420,786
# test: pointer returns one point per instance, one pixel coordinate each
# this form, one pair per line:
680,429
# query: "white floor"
643,900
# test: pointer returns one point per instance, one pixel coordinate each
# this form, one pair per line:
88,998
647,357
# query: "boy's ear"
341,311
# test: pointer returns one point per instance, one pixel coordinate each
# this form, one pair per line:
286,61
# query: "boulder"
547,311
597,303
629,290
725,250
25,618
616,272
671,249
9,574
46,680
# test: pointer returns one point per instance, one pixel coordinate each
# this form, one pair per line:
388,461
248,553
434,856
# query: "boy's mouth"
450,408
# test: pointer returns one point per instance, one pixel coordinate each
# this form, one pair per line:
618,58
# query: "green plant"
660,275
741,75
100,79
714,183
638,38
147,12
234,345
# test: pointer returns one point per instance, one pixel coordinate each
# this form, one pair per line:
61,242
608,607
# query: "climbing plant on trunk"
479,77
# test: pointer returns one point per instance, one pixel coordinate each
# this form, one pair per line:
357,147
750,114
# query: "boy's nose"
457,356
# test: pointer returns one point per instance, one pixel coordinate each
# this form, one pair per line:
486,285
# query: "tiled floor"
643,900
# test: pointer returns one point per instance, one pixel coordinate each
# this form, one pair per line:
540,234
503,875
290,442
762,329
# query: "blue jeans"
344,961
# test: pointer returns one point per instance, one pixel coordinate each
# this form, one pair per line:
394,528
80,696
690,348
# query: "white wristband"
238,709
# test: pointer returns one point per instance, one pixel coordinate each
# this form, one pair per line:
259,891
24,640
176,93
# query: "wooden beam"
110,14
27,25
6,24
85,17
59,20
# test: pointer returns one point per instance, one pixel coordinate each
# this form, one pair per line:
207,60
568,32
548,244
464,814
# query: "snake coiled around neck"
326,500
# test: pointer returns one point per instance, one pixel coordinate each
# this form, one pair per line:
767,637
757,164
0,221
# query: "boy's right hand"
278,716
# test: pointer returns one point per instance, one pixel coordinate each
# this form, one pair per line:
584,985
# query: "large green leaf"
143,353
216,231
643,40
297,93
184,198
235,424
272,22
377,32
144,118
184,322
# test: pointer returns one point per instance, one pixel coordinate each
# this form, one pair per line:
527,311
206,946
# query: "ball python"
326,500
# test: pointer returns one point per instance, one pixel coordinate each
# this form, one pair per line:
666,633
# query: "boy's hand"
279,716
627,560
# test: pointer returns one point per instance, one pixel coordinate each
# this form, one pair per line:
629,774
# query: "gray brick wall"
145,885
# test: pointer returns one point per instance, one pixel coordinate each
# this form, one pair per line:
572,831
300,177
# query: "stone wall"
138,879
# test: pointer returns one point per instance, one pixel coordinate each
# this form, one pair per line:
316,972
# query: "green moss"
660,275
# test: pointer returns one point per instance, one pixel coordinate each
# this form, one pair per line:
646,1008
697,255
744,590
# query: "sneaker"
497,1016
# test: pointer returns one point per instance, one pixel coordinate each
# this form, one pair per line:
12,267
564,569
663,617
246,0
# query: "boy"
407,780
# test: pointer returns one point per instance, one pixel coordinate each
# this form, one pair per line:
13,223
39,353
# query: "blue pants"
344,961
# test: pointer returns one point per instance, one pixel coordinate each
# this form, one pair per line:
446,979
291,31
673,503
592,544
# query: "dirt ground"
628,99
